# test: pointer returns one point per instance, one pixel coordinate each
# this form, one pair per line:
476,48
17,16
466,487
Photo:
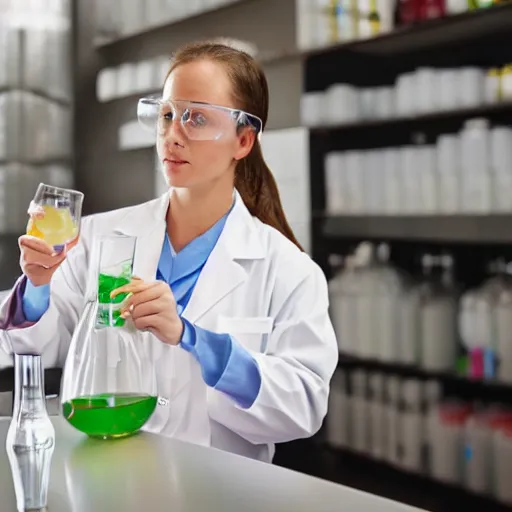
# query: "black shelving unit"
483,39
453,384
452,121
450,229
430,34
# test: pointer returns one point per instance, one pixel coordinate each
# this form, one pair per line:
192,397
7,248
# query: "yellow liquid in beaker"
56,227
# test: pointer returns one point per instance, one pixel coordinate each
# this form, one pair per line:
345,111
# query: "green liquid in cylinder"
108,310
108,415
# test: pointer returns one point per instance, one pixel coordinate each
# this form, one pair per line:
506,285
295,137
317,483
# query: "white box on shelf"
107,18
145,76
155,12
106,84
11,125
10,42
132,16
132,136
126,79
59,64
59,176
287,155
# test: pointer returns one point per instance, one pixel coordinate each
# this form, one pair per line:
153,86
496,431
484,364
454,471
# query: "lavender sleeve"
15,318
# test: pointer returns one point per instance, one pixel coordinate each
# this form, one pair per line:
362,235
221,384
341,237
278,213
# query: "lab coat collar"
239,239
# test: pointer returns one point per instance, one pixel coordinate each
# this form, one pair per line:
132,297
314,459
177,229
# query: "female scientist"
221,278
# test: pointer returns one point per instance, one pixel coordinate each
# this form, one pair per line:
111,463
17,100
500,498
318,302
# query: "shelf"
429,34
453,383
132,97
39,94
405,370
408,39
104,43
484,229
41,163
493,112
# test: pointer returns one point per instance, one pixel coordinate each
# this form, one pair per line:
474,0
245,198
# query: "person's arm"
225,364
11,309
296,369
51,332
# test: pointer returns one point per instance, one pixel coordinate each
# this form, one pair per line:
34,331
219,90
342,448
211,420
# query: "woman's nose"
174,133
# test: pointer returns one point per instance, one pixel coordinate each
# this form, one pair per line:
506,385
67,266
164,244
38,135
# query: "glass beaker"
55,215
109,381
114,270
30,439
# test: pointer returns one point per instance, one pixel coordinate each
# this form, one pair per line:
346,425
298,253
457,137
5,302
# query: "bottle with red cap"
409,11
430,9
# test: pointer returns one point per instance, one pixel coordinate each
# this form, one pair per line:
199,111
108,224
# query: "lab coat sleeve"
51,334
225,364
296,370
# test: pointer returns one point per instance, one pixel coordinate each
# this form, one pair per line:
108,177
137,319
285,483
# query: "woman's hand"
38,260
153,308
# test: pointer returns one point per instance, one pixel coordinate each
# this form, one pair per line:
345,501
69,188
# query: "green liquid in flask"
109,312
109,416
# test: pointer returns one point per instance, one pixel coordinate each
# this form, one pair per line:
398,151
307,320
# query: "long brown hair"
253,179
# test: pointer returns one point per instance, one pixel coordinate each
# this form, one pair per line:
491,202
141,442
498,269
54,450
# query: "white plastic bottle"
476,175
449,173
501,166
386,299
438,315
334,183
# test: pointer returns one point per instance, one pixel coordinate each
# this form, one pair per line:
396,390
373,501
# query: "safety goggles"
200,121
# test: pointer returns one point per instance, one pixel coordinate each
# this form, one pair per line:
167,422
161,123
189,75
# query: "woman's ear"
246,139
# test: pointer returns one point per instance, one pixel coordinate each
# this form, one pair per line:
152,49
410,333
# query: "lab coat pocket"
251,332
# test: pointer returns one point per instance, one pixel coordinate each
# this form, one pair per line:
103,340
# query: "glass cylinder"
31,437
109,380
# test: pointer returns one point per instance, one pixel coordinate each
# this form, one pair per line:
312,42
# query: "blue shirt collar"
174,266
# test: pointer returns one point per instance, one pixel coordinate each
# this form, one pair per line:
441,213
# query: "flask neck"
29,394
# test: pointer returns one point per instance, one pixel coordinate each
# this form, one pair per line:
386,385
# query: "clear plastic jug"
109,382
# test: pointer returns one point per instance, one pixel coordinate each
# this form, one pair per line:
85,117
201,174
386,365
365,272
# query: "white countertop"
152,473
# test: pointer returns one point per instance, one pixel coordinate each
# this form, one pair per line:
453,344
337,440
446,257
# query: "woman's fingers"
31,257
142,309
136,285
142,296
133,287
36,244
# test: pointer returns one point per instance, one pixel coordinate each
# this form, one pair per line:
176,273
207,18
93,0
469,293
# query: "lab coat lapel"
148,223
223,271
219,276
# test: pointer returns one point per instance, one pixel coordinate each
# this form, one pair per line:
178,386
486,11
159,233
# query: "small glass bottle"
31,437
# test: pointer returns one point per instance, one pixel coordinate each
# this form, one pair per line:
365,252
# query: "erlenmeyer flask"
109,382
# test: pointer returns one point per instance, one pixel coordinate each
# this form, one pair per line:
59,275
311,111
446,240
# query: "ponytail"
257,186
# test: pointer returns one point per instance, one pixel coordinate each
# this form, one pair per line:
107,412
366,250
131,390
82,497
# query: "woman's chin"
178,181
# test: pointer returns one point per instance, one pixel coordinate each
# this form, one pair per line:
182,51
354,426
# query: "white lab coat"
256,285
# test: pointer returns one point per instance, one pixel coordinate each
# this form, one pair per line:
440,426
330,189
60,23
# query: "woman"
223,277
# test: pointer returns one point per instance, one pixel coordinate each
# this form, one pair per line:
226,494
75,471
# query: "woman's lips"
174,164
